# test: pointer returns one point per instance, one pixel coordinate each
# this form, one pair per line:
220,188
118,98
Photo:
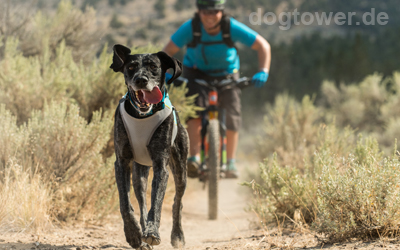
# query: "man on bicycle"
211,55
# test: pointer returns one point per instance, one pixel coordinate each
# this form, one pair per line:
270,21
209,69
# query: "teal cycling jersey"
214,59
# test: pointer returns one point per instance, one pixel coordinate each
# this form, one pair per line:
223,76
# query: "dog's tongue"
153,96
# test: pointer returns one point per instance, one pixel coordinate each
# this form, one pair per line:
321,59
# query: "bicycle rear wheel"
213,165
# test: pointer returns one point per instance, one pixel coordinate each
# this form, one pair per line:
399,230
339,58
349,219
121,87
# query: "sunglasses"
209,12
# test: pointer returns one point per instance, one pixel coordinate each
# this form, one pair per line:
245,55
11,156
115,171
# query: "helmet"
210,4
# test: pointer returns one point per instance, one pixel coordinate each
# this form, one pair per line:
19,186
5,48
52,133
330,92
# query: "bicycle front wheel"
213,165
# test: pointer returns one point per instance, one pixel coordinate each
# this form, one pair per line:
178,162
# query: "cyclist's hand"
260,78
167,76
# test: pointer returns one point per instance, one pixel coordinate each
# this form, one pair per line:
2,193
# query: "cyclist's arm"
242,33
171,49
179,39
264,52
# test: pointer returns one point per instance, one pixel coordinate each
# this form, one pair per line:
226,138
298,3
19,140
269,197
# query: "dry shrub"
56,138
25,200
342,187
59,145
26,83
284,190
44,32
354,193
358,105
359,195
290,130
371,107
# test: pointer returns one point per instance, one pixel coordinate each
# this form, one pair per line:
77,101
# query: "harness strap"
196,29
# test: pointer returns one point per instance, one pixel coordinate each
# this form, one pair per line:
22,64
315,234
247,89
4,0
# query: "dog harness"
140,131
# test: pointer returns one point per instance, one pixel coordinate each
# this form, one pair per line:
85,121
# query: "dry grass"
25,200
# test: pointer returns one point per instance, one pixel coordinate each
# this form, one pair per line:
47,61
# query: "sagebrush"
318,173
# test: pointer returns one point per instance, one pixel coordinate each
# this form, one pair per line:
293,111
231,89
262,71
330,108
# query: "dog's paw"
145,246
133,236
135,242
177,238
152,239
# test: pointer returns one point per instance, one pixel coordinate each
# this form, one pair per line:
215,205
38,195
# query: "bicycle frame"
212,113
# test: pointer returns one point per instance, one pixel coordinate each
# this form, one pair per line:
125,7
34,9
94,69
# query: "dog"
167,144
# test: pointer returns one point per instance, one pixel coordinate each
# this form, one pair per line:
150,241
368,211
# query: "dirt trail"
232,222
230,231
200,233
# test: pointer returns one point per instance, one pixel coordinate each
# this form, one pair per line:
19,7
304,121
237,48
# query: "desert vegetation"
333,166
57,106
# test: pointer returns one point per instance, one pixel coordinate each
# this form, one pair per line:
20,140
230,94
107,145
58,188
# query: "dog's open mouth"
145,99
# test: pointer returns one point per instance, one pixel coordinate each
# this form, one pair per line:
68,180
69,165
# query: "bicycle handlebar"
241,83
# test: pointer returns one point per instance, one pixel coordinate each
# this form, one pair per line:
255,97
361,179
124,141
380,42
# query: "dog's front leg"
140,175
131,227
158,187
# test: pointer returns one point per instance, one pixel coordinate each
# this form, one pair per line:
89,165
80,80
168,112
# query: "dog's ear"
168,62
120,55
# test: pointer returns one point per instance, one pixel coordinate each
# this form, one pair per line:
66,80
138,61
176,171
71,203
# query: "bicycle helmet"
210,4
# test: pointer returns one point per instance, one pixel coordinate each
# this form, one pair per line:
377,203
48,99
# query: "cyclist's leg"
232,137
193,129
194,124
230,101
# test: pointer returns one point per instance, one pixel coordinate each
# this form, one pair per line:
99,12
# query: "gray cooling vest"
141,130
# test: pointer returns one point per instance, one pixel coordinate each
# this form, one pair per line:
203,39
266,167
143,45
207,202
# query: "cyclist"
211,55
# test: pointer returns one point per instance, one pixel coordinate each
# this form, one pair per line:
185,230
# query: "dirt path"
232,222
230,231
201,233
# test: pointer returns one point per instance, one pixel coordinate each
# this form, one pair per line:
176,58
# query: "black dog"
144,76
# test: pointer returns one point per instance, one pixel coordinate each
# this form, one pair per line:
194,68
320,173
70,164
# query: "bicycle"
213,155
213,164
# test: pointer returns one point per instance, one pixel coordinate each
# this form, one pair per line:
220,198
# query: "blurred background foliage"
303,56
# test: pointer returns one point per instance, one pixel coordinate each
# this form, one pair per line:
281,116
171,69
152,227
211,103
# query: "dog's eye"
133,66
153,67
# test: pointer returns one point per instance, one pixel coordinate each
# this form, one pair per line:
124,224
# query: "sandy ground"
200,233
234,229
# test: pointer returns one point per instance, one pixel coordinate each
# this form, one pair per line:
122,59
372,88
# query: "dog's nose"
141,81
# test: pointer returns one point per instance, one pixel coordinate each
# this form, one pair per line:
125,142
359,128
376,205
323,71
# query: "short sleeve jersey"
219,58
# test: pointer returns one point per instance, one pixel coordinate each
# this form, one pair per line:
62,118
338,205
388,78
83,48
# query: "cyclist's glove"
260,78
168,76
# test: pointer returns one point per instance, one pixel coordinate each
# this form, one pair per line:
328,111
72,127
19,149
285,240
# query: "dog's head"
144,75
